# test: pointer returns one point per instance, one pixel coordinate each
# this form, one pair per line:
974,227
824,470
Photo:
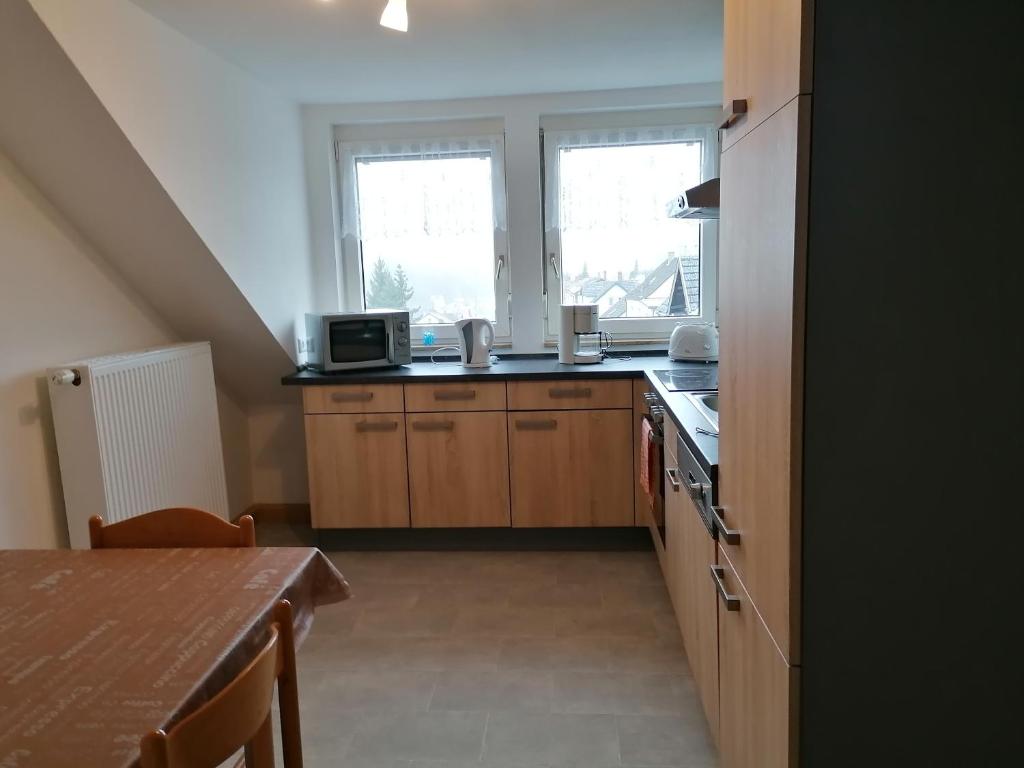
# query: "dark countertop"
687,419
511,368
539,368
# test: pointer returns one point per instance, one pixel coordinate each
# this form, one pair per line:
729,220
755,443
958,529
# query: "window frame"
353,144
629,330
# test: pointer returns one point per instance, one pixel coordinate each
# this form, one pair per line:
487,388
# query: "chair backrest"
178,527
235,717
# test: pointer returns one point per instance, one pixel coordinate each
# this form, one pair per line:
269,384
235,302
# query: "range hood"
700,202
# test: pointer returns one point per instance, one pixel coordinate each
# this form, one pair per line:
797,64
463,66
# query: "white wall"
227,150
521,115
59,300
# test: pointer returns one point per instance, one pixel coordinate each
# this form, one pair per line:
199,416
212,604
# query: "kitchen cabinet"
458,469
354,398
699,618
767,59
570,394
571,468
455,396
757,686
357,470
763,243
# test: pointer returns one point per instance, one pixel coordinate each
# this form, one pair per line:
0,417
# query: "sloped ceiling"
58,132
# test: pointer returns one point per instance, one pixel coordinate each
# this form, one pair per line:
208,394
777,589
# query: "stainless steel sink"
707,404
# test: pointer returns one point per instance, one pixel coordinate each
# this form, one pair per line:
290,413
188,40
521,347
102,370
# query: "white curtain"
556,141
418,149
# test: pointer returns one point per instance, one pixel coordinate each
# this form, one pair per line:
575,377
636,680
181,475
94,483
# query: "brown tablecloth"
99,647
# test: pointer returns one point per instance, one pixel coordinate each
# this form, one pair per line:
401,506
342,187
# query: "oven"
655,414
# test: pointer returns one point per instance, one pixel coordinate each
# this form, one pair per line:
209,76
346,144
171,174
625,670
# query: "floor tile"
621,694
384,690
493,691
498,660
506,622
599,622
418,736
665,741
396,620
557,741
586,654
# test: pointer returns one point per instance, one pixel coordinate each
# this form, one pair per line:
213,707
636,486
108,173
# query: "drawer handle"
734,113
462,394
560,392
717,518
352,397
433,426
673,478
732,602
536,424
377,426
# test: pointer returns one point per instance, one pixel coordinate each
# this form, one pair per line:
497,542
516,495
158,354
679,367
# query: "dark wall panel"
914,453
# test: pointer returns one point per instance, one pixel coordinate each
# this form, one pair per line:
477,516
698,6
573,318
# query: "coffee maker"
579,321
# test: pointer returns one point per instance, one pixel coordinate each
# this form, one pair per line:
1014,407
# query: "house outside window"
423,223
609,241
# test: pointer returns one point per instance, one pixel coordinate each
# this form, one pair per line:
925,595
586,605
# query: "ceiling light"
395,16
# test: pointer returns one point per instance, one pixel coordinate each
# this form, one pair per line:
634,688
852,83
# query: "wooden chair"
239,716
178,527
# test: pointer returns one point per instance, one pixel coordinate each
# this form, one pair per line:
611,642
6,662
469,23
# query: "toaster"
694,341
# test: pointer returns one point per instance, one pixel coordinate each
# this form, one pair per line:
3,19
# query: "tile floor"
498,660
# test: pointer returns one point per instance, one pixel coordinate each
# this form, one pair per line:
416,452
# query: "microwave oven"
352,341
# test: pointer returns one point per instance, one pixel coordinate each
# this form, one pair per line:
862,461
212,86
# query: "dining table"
99,647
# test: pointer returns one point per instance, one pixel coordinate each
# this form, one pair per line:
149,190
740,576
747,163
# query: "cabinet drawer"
456,396
354,398
569,395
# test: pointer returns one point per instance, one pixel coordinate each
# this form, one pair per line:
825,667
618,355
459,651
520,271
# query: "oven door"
658,499
357,342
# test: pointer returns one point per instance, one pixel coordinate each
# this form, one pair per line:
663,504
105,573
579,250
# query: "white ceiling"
321,51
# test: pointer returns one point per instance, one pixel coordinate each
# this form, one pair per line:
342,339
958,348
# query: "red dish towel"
647,458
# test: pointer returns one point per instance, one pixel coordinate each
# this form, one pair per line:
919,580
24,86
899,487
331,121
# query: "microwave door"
358,343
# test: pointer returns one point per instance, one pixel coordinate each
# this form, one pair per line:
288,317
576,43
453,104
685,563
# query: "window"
609,239
424,229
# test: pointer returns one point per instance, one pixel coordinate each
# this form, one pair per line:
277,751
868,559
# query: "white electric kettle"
476,337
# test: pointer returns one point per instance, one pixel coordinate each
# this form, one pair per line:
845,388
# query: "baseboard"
485,539
293,514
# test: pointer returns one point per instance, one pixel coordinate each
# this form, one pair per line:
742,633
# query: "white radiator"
138,432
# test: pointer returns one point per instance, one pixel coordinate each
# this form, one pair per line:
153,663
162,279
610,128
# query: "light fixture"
395,16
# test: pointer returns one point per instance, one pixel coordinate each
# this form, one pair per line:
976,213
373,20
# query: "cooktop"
690,380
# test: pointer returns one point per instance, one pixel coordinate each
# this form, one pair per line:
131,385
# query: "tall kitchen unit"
873,500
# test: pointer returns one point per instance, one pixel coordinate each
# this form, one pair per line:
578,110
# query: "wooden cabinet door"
698,619
758,712
676,508
458,469
762,247
571,468
357,470
766,58
689,553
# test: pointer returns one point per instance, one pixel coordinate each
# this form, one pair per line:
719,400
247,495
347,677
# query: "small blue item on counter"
429,338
